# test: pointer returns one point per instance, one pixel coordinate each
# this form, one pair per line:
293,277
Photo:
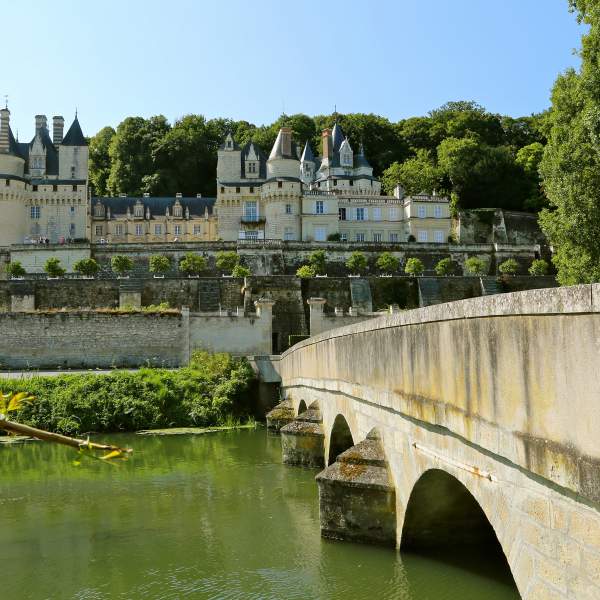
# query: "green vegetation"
317,260
446,266
87,267
227,261
212,390
16,269
334,237
387,263
150,308
571,161
159,263
509,267
476,266
539,268
121,264
53,268
414,267
193,264
241,271
356,263
458,148
306,272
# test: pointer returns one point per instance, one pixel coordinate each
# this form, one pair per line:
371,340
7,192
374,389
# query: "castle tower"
4,130
283,160
73,154
307,165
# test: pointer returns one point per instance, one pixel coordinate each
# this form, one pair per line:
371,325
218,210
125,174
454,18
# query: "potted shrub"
445,267
121,265
16,270
86,267
240,271
509,267
414,267
356,264
305,272
476,266
317,261
227,261
192,264
54,269
387,263
539,268
159,265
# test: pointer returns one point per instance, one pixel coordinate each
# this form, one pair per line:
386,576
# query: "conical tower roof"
307,153
74,136
337,137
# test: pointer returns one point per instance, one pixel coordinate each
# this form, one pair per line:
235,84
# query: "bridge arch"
301,408
443,516
340,438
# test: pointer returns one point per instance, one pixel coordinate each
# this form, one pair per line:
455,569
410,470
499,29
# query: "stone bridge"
469,423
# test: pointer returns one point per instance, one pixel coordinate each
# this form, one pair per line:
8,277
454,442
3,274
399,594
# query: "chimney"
286,141
198,195
326,144
178,195
40,122
4,127
58,125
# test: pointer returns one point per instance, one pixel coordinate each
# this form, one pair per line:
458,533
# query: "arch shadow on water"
340,439
301,407
445,522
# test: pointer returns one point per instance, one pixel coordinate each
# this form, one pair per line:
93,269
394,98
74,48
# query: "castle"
43,183
309,198
286,196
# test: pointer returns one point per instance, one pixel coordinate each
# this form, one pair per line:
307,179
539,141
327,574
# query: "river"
207,516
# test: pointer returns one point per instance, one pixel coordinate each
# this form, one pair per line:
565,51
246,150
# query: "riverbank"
212,391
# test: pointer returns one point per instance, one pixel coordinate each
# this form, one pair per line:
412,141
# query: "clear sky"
254,60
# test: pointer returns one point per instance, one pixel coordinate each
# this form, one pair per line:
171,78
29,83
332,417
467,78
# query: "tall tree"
100,163
571,164
415,175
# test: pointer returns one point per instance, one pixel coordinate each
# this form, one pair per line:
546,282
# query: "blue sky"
251,60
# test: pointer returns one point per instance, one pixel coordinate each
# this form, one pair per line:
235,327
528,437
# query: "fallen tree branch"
48,436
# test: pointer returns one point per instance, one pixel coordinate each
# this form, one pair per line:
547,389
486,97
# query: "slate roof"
262,161
157,204
74,136
337,137
51,152
361,160
307,154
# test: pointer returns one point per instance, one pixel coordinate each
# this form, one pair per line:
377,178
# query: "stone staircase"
491,286
429,291
209,295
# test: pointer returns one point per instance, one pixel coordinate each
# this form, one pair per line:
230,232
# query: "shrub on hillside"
192,264
317,260
226,261
15,269
387,263
121,264
414,266
306,272
159,263
86,266
53,268
241,271
509,267
476,266
446,266
356,263
539,268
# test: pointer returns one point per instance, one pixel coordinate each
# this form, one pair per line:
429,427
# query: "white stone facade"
313,198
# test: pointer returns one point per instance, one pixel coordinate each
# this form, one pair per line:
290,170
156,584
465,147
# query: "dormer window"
138,209
99,209
177,210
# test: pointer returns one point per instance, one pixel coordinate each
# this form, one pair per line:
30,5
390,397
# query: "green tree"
509,267
121,264
159,263
414,267
15,269
192,264
53,268
415,175
226,261
529,159
306,272
539,268
99,160
318,260
356,263
571,164
476,266
131,152
241,271
86,266
387,263
446,266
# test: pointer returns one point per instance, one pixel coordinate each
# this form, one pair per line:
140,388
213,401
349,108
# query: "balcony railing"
253,219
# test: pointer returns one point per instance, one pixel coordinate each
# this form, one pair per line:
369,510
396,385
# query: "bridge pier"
280,416
357,501
303,441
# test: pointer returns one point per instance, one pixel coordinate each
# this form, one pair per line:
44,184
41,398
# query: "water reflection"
213,516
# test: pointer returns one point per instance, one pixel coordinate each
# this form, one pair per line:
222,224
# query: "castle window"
335,182
351,182
7,182
343,237
288,234
138,210
319,207
237,190
98,229
138,230
360,215
393,237
157,229
288,209
422,235
360,237
35,188
177,229
119,230
438,237
74,188
72,230
421,212
34,212
280,184
197,229
72,172
377,213
252,167
251,190
393,214
55,188
177,210
437,212
222,190
342,213
377,237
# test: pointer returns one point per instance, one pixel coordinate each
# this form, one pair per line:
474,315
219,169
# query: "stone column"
303,440
264,311
316,315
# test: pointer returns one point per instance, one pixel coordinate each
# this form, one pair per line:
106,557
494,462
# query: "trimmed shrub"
16,269
86,266
317,260
121,264
446,266
476,266
159,263
53,268
387,263
241,271
539,268
356,263
509,267
305,272
226,261
192,264
414,267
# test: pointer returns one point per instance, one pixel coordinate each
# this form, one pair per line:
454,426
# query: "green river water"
207,516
